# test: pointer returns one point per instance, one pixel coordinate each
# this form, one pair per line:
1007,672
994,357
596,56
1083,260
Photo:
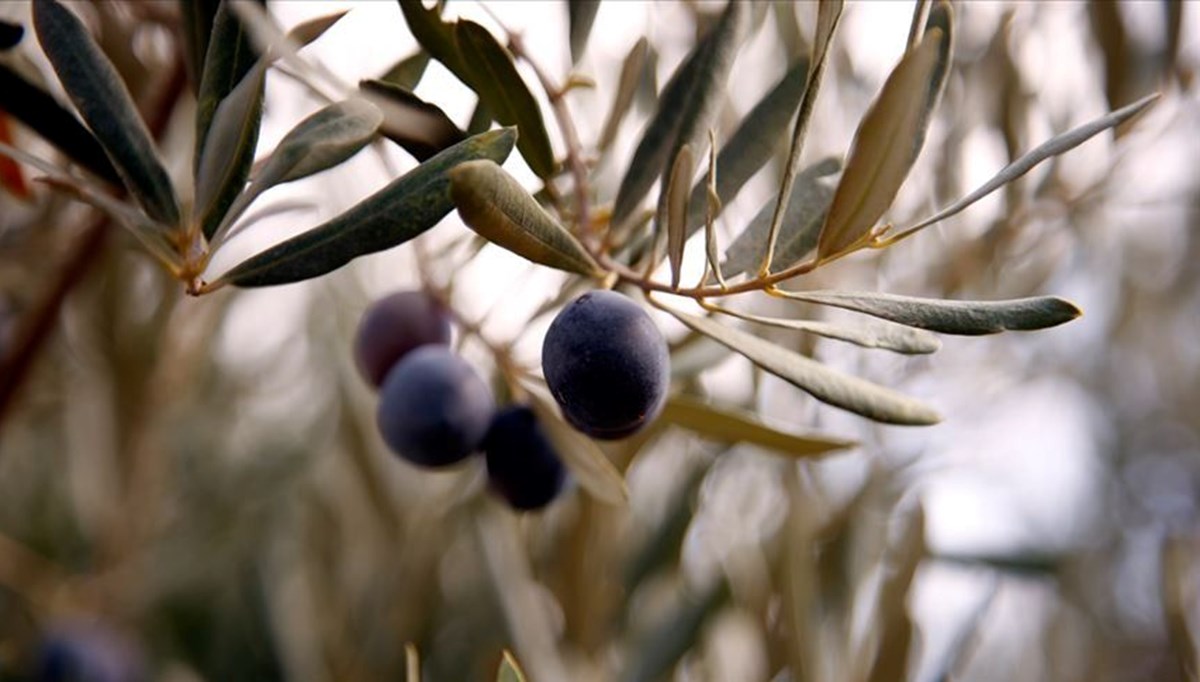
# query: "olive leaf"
728,425
405,208
969,318
893,621
228,58
686,107
754,142
581,14
587,462
494,77
1048,149
421,128
319,142
801,224
633,71
677,195
101,97
228,151
495,205
408,72
434,35
37,109
887,143
884,335
509,670
849,393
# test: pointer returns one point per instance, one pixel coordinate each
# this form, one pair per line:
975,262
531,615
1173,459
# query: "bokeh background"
202,477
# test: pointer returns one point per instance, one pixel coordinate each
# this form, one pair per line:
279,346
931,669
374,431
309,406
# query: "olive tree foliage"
320,557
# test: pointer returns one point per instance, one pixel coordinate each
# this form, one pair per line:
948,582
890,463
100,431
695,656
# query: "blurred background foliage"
203,476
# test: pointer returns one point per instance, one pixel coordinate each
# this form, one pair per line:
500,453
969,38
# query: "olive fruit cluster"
607,365
435,410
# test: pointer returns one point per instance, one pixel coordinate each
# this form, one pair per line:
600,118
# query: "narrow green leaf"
228,150
405,208
677,195
660,649
1048,149
633,70
686,107
849,393
421,128
197,18
433,34
887,143
587,462
106,106
581,14
308,31
321,141
829,15
497,207
894,337
969,318
800,227
510,670
893,621
713,207
481,119
754,142
36,108
494,77
229,57
727,425
408,72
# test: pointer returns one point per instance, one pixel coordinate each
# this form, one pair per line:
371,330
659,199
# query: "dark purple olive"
522,465
395,325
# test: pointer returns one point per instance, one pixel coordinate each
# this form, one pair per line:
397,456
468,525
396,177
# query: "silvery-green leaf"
41,112
888,336
230,55
581,14
849,393
800,227
687,104
421,128
729,425
633,70
101,97
755,141
408,72
407,207
887,143
434,35
1048,149
321,141
197,28
228,151
497,207
495,78
677,195
969,318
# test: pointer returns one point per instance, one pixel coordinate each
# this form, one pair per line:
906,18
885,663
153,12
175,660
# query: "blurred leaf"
197,19
849,393
688,103
497,207
495,79
433,34
886,145
968,318
581,14
755,141
421,128
102,98
798,232
405,208
228,59
682,171
228,152
728,425
885,335
633,70
829,14
10,35
1050,148
654,655
407,72
894,623
308,31
587,462
321,141
481,119
510,670
1178,599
